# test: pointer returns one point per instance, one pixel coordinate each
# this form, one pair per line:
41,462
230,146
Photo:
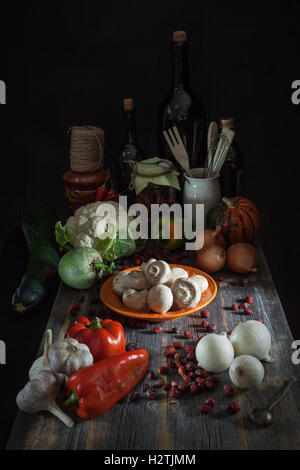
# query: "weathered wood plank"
167,424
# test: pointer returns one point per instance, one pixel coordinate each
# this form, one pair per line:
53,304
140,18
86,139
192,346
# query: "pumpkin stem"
229,202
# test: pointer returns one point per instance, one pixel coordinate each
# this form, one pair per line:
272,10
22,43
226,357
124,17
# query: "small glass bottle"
130,151
231,177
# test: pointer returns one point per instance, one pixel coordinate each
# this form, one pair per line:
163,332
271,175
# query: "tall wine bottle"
182,108
130,150
231,176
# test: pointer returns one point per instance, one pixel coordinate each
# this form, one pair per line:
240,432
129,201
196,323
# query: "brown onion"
211,259
242,258
212,237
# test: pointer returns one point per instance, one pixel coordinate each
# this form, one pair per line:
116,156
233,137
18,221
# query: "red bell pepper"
101,193
104,338
112,195
95,389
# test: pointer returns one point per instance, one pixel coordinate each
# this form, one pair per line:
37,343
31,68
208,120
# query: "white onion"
246,371
214,352
252,338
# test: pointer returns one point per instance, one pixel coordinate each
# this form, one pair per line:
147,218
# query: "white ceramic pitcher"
198,190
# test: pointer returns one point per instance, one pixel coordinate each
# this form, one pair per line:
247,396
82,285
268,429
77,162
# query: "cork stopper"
179,36
128,104
227,122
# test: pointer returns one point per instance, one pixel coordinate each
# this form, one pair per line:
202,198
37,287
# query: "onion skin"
211,259
213,237
242,258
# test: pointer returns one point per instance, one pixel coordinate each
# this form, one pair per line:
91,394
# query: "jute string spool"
87,149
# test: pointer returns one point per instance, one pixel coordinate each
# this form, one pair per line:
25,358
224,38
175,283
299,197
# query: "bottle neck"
180,65
130,126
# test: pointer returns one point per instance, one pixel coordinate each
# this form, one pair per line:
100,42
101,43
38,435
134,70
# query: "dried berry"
210,401
182,371
191,374
249,300
244,282
205,314
189,349
174,392
134,395
182,386
150,394
81,299
235,307
190,366
175,330
234,407
199,339
214,379
205,409
188,334
75,309
190,356
158,383
163,370
177,364
150,375
169,352
209,384
171,364
204,324
178,356
145,387
132,347
243,306
166,387
212,328
194,389
259,319
198,372
184,361
248,311
178,344
157,330
228,390
205,374
220,278
187,379
173,384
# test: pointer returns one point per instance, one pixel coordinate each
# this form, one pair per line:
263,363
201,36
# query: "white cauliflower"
92,221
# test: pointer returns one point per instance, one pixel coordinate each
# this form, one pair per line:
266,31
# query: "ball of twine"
87,149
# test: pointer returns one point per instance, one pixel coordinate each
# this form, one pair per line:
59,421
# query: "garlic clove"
42,363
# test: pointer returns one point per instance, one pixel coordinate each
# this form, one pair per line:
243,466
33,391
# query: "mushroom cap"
177,273
135,300
119,284
186,293
146,263
160,298
201,281
158,272
136,280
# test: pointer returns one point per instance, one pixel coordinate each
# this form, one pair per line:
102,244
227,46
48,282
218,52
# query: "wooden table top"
168,424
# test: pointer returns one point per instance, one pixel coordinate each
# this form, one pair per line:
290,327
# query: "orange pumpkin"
238,217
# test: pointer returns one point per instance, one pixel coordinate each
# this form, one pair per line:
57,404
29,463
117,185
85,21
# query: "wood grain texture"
167,424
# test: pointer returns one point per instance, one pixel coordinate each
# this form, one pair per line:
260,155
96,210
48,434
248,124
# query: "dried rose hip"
249,300
133,395
169,352
210,401
150,375
178,356
171,364
182,386
175,330
190,366
150,395
194,389
191,374
209,384
178,344
189,349
212,328
74,309
205,314
228,390
220,278
244,282
81,299
182,371
190,356
184,361
166,387
187,379
188,334
234,407
198,372
205,409
157,330
177,363
204,324
248,311
235,307
163,370
173,392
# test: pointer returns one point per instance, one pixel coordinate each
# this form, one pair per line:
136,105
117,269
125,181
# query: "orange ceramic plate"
113,301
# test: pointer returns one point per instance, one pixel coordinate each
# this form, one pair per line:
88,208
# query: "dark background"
72,63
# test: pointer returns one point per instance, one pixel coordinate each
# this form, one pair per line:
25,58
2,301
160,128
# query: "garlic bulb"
176,273
186,293
39,395
158,272
69,356
42,363
201,281
252,338
135,300
160,298
214,352
246,371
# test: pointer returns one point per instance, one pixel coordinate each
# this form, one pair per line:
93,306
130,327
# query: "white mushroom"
176,273
135,300
146,264
160,298
136,280
201,281
186,293
158,272
119,285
